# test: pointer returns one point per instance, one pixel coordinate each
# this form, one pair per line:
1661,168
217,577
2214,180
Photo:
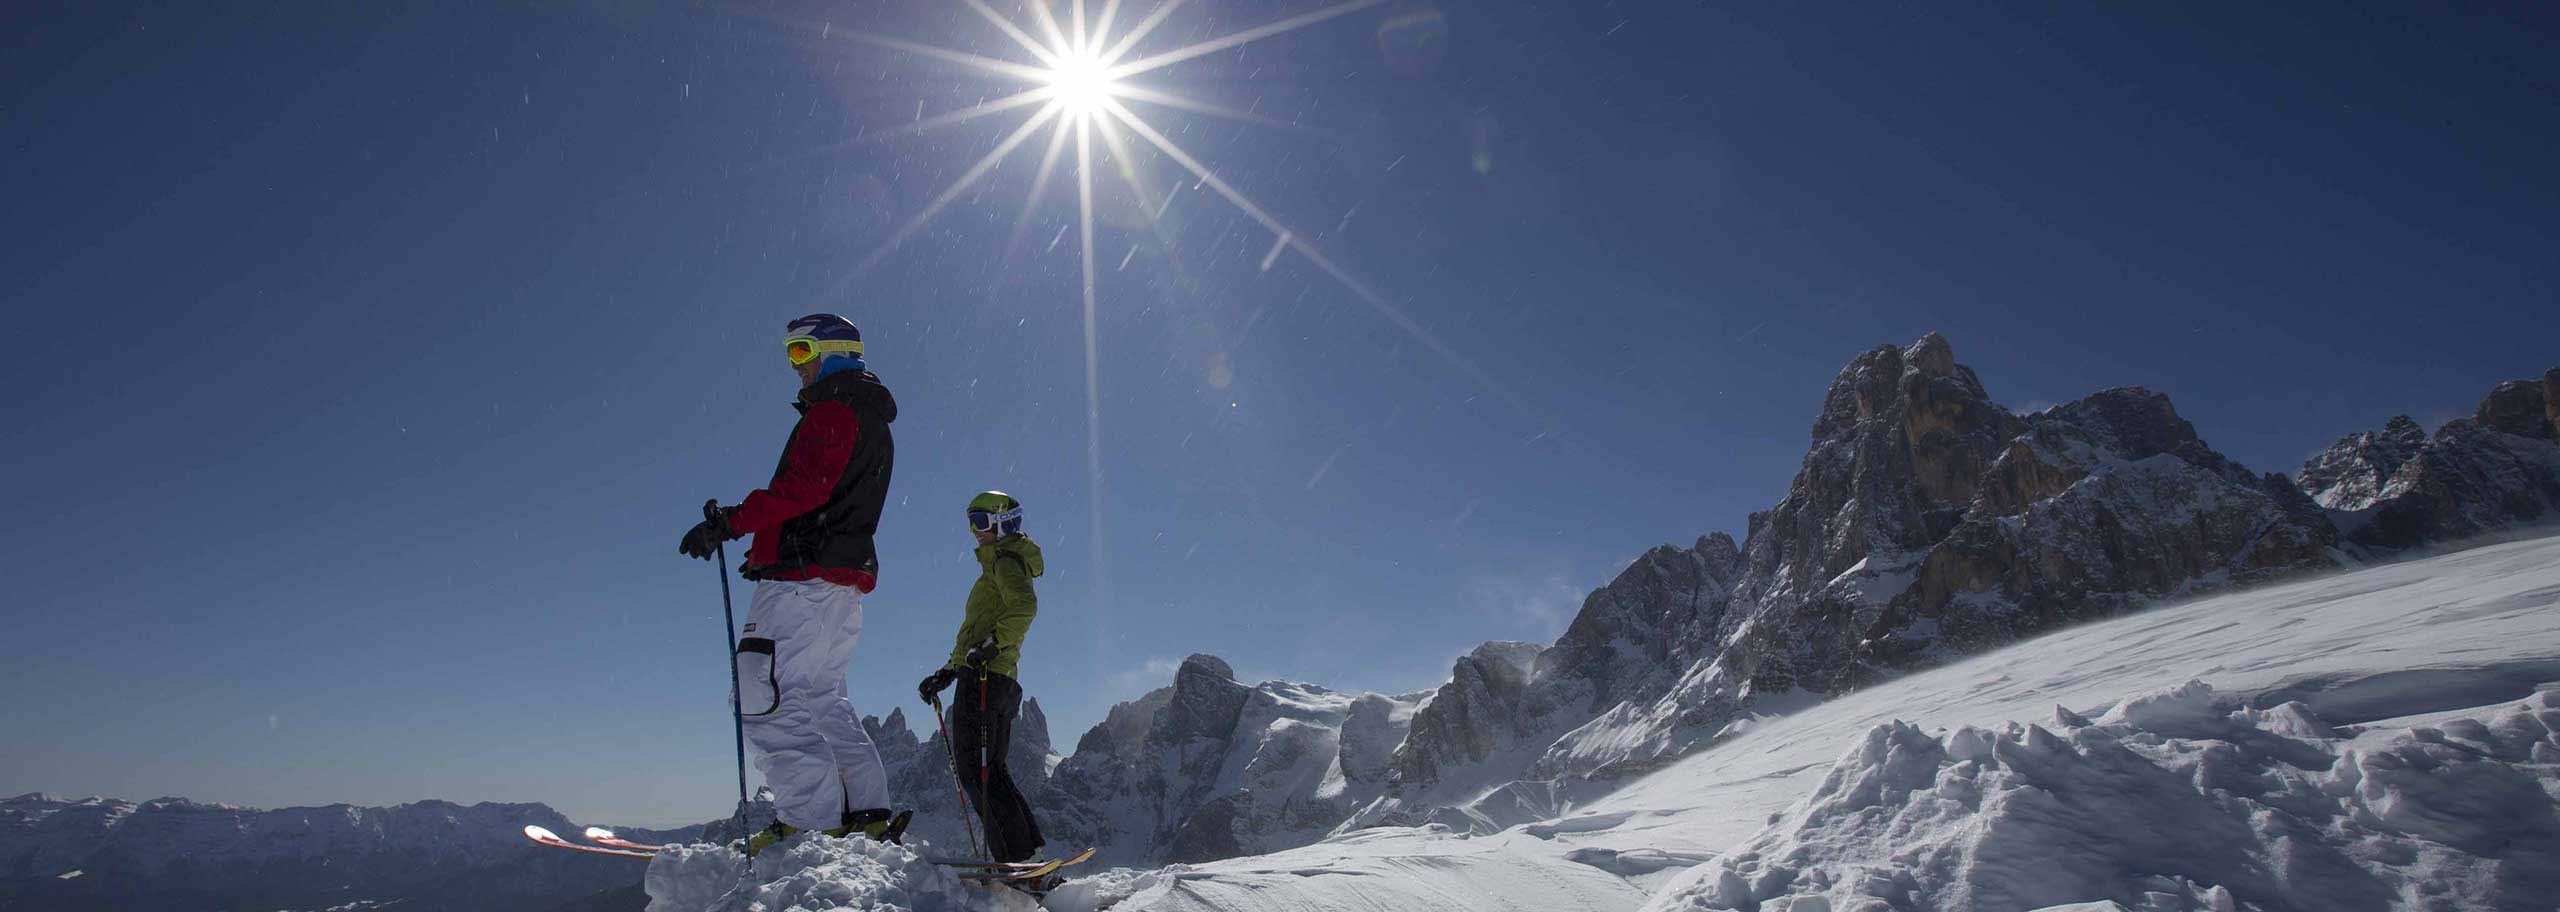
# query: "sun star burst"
1079,86
1081,83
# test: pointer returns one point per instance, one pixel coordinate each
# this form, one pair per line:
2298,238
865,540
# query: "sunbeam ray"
1293,241
1102,26
1139,32
1077,8
1039,185
1128,168
1214,45
1014,32
1092,365
1196,106
1048,23
985,163
1024,72
1023,98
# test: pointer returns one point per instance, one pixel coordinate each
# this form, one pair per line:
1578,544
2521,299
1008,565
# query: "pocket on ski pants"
759,694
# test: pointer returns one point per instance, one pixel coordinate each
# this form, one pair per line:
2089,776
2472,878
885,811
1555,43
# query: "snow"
808,873
2167,801
2376,739
1427,868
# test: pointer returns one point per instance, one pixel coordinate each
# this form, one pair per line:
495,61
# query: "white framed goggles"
983,521
804,349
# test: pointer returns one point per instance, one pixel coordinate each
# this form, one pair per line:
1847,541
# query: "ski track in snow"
2335,704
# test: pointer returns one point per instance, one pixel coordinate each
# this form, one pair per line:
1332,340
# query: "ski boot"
875,823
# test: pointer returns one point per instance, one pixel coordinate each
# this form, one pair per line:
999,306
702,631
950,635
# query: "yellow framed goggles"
802,349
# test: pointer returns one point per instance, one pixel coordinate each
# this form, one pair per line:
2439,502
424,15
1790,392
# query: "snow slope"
2366,655
816,873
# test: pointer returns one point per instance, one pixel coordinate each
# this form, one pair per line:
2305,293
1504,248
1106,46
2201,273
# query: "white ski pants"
809,743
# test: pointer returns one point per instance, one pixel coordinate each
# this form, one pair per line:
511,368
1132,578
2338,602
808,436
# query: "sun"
1081,83
1082,80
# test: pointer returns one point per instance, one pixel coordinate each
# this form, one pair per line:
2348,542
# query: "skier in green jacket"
984,659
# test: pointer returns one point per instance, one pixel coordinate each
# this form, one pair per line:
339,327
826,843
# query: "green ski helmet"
995,511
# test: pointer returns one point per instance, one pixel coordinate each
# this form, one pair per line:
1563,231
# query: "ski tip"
599,833
539,834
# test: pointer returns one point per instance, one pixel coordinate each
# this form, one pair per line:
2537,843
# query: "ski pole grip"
711,508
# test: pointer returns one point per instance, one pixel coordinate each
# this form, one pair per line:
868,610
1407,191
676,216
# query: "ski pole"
986,730
728,642
963,794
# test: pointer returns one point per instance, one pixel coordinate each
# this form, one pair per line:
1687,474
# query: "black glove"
931,687
979,655
706,536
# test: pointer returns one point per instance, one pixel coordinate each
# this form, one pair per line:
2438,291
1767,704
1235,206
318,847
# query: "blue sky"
365,366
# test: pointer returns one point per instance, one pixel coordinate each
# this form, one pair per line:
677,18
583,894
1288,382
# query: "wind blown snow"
2173,802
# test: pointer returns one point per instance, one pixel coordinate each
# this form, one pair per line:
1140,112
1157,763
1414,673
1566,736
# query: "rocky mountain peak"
2399,488
1202,665
2519,407
1927,522
1031,733
2351,473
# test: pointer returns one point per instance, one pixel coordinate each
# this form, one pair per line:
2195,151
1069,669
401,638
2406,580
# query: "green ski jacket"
1001,604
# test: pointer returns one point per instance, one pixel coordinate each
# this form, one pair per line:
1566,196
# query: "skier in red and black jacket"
813,560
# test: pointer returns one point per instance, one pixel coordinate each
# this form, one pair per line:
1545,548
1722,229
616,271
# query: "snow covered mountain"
1205,768
1212,768
99,853
1927,523
2400,488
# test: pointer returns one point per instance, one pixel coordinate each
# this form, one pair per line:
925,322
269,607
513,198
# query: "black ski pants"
983,711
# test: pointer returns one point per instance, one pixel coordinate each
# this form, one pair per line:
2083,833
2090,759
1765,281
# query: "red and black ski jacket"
816,518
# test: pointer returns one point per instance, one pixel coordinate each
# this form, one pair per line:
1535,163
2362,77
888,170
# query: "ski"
1010,869
1025,875
602,836
546,837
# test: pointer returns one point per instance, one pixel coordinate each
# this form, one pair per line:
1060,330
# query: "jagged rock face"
180,853
1902,442
1211,768
1478,712
1508,702
2518,407
1927,523
2095,507
1887,556
2351,473
2551,401
2496,469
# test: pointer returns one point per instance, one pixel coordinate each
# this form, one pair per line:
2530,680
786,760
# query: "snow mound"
2170,801
810,873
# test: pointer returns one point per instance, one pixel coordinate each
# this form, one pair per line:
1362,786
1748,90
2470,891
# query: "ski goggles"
983,521
803,349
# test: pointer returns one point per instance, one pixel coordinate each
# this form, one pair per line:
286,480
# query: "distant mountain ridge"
428,855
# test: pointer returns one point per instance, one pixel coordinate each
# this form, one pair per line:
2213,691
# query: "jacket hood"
860,389
1021,546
